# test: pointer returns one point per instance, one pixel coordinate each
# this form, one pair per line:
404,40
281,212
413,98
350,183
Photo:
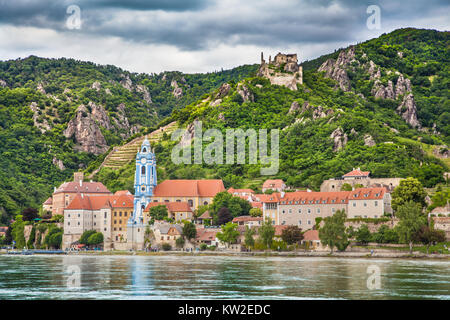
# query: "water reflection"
203,277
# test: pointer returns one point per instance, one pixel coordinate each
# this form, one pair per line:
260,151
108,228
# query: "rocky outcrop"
42,125
145,94
221,117
408,110
383,92
369,141
177,91
86,132
215,103
98,113
40,88
340,139
317,112
402,86
188,135
96,86
3,83
336,69
294,107
127,83
58,163
245,93
223,91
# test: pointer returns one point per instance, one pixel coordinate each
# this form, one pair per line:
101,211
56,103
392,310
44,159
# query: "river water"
220,277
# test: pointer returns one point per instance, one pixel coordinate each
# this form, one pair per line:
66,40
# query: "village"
175,215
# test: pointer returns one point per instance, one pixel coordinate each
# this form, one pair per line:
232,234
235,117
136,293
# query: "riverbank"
376,254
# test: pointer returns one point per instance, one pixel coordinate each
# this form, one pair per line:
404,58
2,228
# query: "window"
376,203
115,213
333,210
120,229
78,223
124,214
115,221
318,210
299,221
205,203
299,210
354,204
166,200
143,170
68,223
178,200
191,203
120,213
309,221
68,216
309,210
95,223
104,229
117,238
290,210
105,214
365,204
115,229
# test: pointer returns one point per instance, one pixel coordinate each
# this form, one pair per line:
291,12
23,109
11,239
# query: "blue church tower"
144,182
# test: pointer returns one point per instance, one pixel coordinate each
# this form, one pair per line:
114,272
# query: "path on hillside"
122,155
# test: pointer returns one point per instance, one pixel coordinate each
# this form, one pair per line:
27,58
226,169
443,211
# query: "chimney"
282,194
78,177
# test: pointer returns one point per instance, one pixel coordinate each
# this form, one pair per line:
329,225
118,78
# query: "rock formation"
58,163
96,86
223,91
177,91
408,110
336,69
127,83
340,139
383,92
294,107
86,132
43,125
245,93
145,94
98,113
369,141
3,83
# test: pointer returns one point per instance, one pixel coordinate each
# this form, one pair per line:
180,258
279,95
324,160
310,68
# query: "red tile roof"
279,230
246,219
256,205
49,201
311,235
273,184
357,173
268,198
367,193
206,234
171,206
188,188
122,193
85,187
301,197
232,190
87,202
121,201
205,215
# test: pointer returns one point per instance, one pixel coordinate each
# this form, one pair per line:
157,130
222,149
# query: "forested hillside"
382,105
60,115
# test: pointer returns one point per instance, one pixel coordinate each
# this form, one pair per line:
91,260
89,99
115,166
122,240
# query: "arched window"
191,203
144,150
205,203
143,170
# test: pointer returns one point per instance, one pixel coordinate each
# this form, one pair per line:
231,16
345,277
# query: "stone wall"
336,184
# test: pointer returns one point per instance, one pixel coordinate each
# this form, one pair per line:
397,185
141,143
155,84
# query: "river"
220,277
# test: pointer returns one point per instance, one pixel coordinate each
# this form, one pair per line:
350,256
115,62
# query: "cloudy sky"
200,35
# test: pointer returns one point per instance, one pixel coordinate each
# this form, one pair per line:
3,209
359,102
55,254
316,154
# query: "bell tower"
145,181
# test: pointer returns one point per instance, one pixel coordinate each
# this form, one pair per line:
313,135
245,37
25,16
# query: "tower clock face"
143,161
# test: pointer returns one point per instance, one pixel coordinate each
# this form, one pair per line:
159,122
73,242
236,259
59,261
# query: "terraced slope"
120,156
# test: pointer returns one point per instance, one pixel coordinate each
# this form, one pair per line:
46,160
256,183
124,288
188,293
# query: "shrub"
203,246
166,246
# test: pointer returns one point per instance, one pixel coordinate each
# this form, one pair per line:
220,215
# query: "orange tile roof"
188,188
301,197
122,201
171,206
268,198
204,234
246,218
49,201
85,187
279,229
122,193
205,215
367,193
87,202
232,190
357,173
273,184
311,235
256,204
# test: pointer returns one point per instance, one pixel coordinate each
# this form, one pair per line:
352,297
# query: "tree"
332,233
409,189
292,234
237,206
346,187
255,212
224,216
189,231
159,212
29,214
411,220
249,241
84,239
96,238
228,234
166,246
428,236
179,242
363,234
267,232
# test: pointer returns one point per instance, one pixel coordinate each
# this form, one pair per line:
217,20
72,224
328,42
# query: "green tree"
29,214
363,234
428,236
228,234
332,233
166,246
224,216
95,239
267,232
159,212
409,189
189,231
18,236
256,212
84,239
411,220
346,187
292,234
249,241
179,242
